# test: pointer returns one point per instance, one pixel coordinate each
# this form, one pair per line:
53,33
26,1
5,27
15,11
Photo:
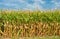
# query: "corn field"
29,23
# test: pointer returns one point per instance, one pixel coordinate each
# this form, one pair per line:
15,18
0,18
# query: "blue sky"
30,4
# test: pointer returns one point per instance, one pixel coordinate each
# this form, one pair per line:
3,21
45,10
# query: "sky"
30,4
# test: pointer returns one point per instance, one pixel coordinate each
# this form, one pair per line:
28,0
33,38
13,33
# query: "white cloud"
22,1
35,5
39,1
57,3
31,6
9,4
25,5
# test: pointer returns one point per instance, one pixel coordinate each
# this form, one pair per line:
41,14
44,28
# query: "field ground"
48,37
